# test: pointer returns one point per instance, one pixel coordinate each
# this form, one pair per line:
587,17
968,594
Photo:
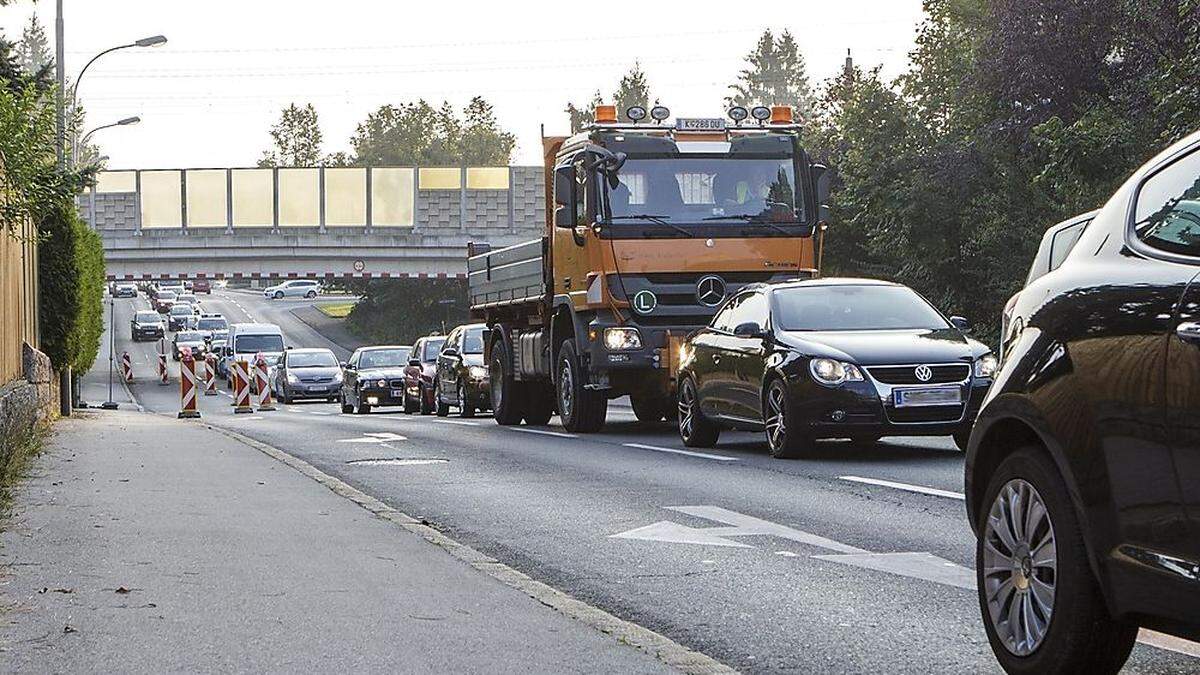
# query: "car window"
432,349
211,324
1167,213
473,341
189,336
353,360
752,308
452,339
250,344
723,320
1063,241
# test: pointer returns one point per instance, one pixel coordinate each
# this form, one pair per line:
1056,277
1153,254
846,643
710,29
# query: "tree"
419,134
33,51
296,138
633,89
776,75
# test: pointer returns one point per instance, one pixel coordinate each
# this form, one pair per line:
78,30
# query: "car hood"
882,347
381,373
323,371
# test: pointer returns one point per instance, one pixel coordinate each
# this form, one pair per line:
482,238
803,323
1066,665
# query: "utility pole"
65,381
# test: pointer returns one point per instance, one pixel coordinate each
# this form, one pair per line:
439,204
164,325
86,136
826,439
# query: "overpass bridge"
263,223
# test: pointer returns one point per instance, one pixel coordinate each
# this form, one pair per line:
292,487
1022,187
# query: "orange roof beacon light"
606,114
781,114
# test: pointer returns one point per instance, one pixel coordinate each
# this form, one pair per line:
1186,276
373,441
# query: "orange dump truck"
650,226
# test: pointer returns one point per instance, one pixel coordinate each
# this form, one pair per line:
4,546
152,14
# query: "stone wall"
26,404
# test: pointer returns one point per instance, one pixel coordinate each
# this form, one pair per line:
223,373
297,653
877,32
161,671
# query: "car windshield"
148,317
166,295
432,349
311,360
687,191
833,308
251,344
212,324
383,358
473,341
189,336
181,310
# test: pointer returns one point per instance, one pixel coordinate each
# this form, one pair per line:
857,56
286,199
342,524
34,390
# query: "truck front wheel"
507,394
582,410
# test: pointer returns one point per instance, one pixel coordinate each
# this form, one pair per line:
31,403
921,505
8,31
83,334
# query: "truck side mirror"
823,178
564,196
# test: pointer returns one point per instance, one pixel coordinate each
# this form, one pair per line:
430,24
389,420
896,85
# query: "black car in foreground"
830,358
372,377
1083,471
146,325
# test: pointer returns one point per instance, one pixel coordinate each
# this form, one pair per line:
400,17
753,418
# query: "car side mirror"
749,329
564,196
449,351
344,365
961,323
415,362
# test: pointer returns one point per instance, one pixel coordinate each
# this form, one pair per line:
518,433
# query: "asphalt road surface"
856,560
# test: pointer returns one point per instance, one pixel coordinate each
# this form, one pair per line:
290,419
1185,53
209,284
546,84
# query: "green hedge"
71,289
398,311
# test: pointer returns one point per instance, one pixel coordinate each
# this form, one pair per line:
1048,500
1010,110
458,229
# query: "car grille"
940,413
907,374
397,384
317,379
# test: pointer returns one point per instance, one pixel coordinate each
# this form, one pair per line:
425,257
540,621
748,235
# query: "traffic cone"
210,375
241,387
187,385
126,367
264,388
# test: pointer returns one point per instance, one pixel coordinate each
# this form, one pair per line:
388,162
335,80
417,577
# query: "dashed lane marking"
543,432
458,422
920,489
676,451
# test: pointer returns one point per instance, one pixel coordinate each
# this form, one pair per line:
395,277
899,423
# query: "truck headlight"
985,366
831,372
621,338
477,372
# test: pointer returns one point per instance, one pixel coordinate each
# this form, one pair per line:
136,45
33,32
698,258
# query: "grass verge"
16,450
335,310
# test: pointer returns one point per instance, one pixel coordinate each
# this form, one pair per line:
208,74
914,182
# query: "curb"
645,640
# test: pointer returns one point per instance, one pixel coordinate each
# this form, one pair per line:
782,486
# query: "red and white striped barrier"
264,388
210,375
162,362
187,385
126,367
241,387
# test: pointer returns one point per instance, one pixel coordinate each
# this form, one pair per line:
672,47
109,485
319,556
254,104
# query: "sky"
208,97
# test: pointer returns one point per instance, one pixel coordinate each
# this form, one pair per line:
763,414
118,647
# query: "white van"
247,340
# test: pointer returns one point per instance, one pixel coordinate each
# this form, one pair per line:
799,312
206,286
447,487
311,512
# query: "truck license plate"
912,398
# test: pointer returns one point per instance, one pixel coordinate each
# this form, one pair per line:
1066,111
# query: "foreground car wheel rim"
1020,567
775,423
687,407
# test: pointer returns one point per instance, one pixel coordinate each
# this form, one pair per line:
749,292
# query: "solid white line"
676,451
458,422
543,432
1169,643
905,486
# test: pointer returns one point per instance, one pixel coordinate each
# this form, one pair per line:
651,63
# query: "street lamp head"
129,120
152,41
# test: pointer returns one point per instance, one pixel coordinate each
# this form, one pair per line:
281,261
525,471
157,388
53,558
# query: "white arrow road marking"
676,451
740,525
905,486
375,437
916,565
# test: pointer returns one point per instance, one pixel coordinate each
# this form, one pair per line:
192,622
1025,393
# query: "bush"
398,311
71,289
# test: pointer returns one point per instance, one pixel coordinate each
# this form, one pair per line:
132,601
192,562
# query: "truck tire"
539,404
647,409
508,395
582,410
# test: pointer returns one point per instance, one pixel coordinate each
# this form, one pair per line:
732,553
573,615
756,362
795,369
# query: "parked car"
213,326
307,374
146,325
191,339
202,286
180,316
125,290
462,378
163,301
373,376
1083,471
295,288
420,373
830,358
246,341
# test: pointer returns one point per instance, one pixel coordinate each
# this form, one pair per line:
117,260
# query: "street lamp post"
152,41
119,123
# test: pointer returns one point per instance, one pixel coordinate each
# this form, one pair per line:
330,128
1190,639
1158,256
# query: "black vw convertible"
830,358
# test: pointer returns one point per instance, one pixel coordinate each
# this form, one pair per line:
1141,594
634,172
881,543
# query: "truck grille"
907,374
675,292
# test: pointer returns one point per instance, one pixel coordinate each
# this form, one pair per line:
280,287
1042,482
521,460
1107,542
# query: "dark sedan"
1083,472
419,375
146,325
307,374
373,377
462,379
830,358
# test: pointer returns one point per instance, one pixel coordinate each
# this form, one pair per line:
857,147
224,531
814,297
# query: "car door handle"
1188,331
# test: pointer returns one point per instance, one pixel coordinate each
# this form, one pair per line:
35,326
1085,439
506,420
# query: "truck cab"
650,227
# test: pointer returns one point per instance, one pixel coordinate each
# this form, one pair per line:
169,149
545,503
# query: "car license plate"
318,388
912,398
397,393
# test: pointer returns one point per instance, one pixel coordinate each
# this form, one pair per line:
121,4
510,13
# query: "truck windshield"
693,190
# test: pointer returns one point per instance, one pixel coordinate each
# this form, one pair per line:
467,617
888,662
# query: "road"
763,564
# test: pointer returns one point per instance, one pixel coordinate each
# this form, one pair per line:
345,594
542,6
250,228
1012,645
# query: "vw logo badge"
710,290
644,302
923,373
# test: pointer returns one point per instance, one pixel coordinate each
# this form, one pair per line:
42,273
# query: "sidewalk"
146,544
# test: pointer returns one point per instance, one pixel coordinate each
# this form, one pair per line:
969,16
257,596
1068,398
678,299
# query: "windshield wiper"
657,220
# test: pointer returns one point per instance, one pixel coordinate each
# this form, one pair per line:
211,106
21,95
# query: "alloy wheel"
1020,567
776,422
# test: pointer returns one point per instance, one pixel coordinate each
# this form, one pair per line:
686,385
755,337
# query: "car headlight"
621,338
381,383
985,366
831,372
292,379
477,372
337,377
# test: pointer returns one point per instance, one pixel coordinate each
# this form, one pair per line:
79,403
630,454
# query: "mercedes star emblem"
710,291
923,373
